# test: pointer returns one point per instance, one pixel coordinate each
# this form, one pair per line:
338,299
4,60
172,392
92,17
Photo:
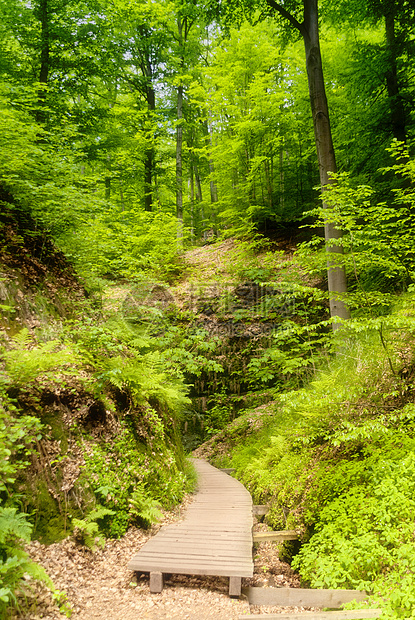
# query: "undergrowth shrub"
128,475
337,461
124,244
87,531
131,480
364,536
17,432
28,360
14,562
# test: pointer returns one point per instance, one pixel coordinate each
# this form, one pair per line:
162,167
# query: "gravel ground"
99,586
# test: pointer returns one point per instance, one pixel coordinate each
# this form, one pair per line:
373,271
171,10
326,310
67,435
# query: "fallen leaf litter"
99,586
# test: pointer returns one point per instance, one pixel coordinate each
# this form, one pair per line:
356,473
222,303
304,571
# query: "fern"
24,364
13,525
14,562
23,338
86,531
144,508
143,377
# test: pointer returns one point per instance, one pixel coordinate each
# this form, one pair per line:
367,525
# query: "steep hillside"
88,418
336,461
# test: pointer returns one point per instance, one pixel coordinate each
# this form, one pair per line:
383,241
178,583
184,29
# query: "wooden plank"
185,560
227,470
200,546
215,537
214,556
275,536
352,614
299,597
259,510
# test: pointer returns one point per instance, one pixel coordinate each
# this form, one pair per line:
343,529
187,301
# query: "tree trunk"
337,283
282,179
199,196
44,61
397,108
179,137
192,199
179,162
179,157
149,152
209,144
213,188
268,181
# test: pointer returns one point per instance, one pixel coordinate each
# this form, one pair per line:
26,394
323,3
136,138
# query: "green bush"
337,461
87,531
16,435
364,537
132,479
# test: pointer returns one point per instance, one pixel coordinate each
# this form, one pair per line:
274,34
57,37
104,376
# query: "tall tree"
303,15
187,24
390,58
144,40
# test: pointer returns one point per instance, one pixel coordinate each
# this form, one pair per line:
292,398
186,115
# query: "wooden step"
302,597
275,536
352,614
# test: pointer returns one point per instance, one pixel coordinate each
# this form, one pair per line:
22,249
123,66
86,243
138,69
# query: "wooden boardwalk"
215,537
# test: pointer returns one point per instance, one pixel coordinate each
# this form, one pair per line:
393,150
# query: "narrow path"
215,537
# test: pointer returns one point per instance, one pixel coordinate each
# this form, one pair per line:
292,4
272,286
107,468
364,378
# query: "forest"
207,233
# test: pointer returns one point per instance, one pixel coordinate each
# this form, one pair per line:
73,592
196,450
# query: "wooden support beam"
235,586
259,510
352,614
275,536
156,582
302,597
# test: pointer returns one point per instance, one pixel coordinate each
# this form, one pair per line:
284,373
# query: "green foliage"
142,377
38,170
125,244
14,562
85,158
130,475
87,532
217,416
118,355
378,237
130,478
364,536
251,97
188,351
28,361
143,508
337,462
16,435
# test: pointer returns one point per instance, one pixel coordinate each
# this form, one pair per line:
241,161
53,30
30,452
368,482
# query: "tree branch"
287,15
